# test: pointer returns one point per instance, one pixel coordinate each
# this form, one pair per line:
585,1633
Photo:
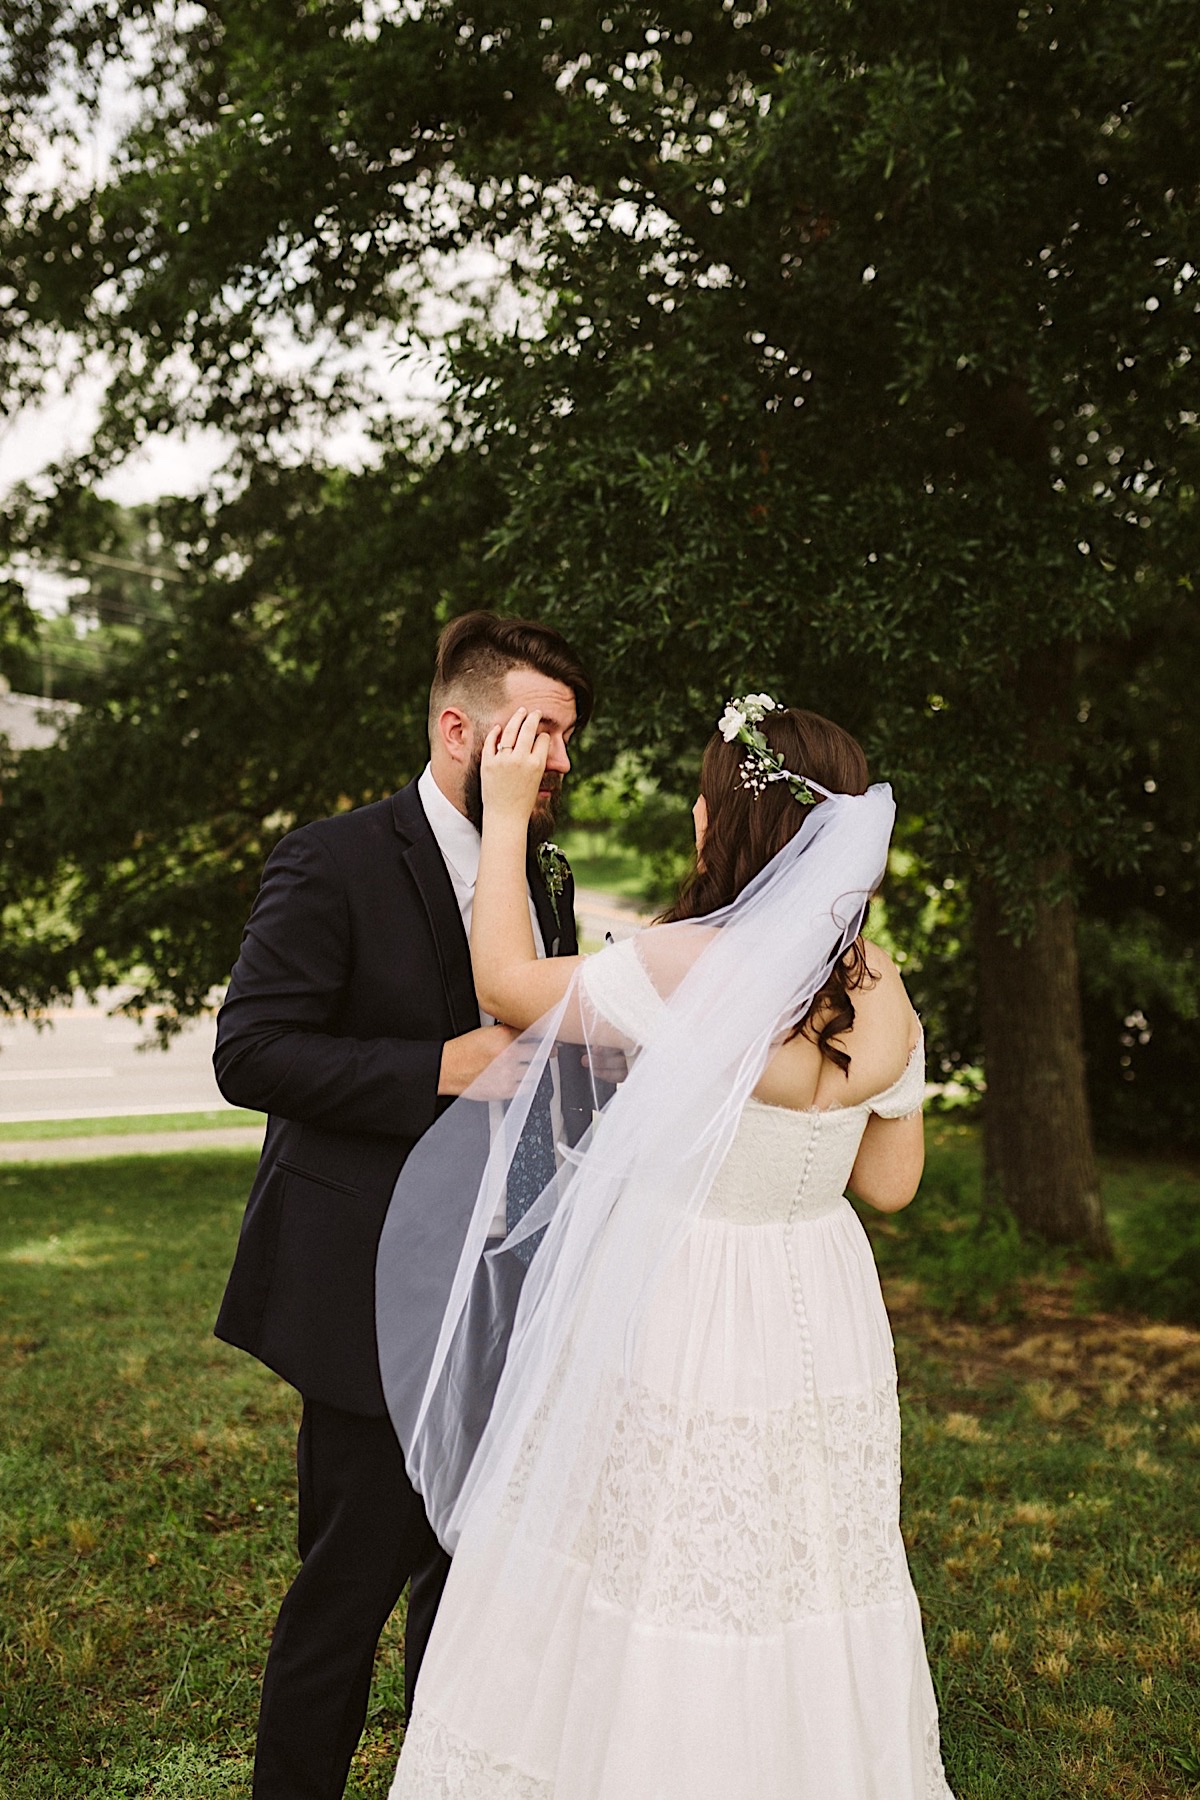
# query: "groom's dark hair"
476,651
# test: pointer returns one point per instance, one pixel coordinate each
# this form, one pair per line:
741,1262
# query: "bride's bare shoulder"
879,962
883,971
669,951
884,991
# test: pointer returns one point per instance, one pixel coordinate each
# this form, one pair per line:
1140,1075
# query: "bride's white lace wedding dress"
736,1620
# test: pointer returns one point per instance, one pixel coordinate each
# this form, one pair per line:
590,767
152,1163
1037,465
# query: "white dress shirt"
458,841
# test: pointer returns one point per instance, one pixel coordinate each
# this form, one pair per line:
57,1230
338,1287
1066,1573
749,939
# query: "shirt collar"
457,838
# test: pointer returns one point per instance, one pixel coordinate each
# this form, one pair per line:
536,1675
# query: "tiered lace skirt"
736,1619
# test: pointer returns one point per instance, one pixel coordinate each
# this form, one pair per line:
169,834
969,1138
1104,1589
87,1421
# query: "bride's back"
878,1044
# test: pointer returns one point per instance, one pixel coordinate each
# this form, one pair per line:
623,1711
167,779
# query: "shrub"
1157,1270
969,1259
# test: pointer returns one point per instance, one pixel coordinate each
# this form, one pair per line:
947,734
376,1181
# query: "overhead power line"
130,568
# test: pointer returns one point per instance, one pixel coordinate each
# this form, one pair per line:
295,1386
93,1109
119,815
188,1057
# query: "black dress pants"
363,1537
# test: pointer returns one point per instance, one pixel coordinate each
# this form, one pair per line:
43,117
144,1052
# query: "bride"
652,1404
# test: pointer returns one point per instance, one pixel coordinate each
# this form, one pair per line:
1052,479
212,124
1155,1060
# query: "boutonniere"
554,869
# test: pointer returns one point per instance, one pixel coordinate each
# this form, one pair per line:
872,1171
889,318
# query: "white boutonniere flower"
554,869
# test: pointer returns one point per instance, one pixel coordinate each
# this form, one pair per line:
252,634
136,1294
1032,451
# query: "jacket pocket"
321,1179
318,1327
332,1158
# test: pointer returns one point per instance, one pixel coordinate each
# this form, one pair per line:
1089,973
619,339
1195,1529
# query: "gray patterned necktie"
533,1165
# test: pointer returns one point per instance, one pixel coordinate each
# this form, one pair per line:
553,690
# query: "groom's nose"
558,761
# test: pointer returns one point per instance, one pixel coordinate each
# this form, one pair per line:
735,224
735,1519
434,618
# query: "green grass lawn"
600,860
129,1125
147,1514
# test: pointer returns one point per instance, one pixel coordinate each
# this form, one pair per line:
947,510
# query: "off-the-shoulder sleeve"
907,1094
617,985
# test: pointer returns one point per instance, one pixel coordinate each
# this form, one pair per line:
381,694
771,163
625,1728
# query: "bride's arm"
891,1157
512,982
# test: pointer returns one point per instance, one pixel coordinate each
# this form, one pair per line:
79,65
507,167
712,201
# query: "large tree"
842,347
288,679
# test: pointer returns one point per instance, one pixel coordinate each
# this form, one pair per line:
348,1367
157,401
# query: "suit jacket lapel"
566,906
424,862
543,906
558,934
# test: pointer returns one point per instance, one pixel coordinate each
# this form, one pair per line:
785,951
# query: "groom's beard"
545,812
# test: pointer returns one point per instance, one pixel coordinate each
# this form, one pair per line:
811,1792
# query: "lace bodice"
784,1165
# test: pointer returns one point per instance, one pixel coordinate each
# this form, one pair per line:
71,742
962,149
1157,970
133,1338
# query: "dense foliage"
288,679
837,348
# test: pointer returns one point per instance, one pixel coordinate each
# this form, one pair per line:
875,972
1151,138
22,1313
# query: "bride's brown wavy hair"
745,830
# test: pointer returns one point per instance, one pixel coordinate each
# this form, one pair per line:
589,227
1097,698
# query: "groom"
351,1019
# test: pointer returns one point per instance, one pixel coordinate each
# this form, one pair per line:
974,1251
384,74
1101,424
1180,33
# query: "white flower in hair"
731,722
760,764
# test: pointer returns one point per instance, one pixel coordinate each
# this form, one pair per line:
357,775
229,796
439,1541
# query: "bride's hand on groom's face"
514,764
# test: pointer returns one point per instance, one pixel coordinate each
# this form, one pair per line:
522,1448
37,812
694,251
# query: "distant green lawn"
147,1512
600,860
130,1125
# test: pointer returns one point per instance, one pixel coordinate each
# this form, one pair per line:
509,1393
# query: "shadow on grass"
147,1509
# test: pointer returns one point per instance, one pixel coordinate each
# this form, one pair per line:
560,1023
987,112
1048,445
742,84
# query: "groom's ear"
455,733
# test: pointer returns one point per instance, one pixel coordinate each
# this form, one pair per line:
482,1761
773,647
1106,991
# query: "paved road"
86,1064
599,914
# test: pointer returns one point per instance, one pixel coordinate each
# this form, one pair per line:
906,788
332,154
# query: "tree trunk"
1038,1153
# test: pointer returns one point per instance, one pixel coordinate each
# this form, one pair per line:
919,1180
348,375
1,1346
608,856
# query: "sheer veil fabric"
502,1360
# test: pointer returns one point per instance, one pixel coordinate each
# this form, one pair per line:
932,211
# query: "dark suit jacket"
354,970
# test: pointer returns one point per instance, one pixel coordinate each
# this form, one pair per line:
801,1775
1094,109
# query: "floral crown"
760,764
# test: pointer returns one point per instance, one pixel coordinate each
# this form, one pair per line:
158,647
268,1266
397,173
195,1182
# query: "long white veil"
595,1140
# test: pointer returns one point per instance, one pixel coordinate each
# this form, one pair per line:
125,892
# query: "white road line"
55,1074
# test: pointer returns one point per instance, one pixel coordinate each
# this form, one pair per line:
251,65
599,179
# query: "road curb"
136,1143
